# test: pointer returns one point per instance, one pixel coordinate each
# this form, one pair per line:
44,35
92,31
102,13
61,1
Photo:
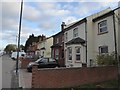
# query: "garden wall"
70,77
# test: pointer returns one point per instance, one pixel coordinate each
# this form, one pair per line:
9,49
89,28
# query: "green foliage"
22,47
10,47
106,59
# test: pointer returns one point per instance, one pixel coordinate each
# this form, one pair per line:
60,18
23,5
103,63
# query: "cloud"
44,17
30,13
9,24
10,9
70,19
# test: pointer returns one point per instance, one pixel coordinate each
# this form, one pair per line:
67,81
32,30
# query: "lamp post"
19,36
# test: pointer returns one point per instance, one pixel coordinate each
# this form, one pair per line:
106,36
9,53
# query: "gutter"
86,39
116,57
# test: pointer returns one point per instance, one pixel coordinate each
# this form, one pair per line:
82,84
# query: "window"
62,38
52,54
103,49
77,53
102,27
75,33
66,35
43,53
57,54
69,53
57,40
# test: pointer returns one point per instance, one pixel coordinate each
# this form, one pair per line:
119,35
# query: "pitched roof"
76,41
72,25
103,16
55,45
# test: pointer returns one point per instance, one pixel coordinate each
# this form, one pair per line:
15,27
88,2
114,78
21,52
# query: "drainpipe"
86,39
115,42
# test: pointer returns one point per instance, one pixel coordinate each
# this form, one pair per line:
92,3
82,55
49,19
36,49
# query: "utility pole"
19,37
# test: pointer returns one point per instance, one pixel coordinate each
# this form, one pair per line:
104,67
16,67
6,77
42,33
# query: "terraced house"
91,36
44,47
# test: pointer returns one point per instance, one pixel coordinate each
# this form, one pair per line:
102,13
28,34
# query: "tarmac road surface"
9,79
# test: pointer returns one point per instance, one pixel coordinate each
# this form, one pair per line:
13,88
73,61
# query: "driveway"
25,78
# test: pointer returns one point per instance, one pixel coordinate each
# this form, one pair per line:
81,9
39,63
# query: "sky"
44,17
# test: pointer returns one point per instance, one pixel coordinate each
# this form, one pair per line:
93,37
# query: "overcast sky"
44,17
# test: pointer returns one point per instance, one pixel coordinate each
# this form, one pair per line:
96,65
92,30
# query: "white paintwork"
14,54
73,62
47,43
93,39
81,34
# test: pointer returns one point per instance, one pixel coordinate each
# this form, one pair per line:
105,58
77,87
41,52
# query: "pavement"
25,78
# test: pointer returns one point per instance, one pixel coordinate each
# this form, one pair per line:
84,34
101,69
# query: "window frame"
66,37
75,32
77,53
102,47
56,54
100,27
57,40
69,53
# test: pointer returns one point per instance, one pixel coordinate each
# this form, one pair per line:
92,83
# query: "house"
44,47
93,35
75,44
58,46
41,39
103,34
32,44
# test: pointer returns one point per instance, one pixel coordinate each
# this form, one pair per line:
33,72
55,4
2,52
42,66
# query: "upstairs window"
102,27
75,33
56,54
103,49
66,37
57,40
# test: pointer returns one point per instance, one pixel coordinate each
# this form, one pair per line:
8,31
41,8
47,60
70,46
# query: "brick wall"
24,63
70,77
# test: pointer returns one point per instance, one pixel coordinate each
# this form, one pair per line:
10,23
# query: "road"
8,72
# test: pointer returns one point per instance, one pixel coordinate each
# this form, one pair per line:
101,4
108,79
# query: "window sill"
102,33
69,61
78,61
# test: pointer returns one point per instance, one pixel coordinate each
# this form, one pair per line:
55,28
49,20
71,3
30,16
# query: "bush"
106,59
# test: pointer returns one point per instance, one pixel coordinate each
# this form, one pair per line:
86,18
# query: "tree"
10,47
22,47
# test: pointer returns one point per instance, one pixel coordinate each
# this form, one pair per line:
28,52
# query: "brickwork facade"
70,77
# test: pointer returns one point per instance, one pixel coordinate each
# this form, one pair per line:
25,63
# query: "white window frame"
77,53
75,32
66,36
57,40
102,25
56,54
102,47
69,52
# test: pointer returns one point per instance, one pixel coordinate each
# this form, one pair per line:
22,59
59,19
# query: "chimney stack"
63,26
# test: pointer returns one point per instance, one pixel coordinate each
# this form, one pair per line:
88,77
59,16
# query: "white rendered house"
95,34
45,47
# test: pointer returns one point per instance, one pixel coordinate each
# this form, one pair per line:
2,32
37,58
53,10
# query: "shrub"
106,59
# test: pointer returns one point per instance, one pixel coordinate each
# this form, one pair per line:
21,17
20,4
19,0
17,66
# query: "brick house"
31,46
58,46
